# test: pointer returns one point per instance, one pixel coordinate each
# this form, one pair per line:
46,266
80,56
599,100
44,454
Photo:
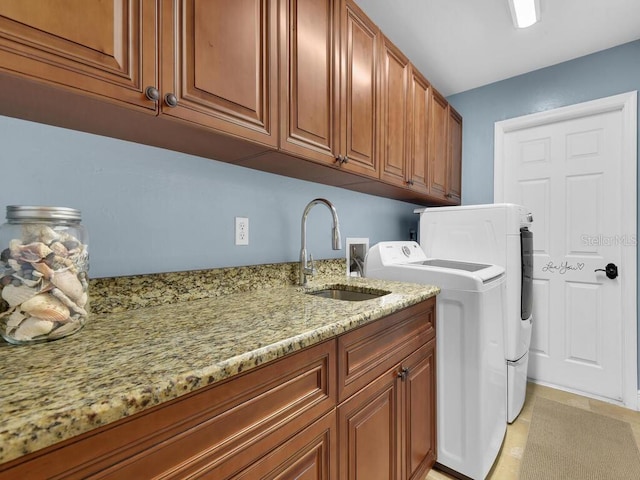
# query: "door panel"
368,432
219,59
309,455
419,128
307,83
454,157
393,118
568,174
102,47
438,150
359,83
420,410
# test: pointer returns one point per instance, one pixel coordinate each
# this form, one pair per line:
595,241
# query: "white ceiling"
462,44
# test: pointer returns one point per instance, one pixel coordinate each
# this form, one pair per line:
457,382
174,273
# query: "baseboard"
619,403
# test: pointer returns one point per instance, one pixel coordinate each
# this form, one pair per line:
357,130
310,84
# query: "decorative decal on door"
563,268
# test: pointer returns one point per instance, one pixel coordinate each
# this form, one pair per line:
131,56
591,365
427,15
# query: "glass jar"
44,264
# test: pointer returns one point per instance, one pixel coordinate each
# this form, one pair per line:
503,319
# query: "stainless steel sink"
351,294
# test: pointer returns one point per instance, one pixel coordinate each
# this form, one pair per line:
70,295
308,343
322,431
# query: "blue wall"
150,210
602,74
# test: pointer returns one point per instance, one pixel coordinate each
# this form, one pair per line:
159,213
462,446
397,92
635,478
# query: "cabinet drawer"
308,455
369,351
201,429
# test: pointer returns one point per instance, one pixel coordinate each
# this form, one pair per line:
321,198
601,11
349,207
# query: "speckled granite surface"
120,294
124,362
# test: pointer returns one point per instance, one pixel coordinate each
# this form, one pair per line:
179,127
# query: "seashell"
13,263
82,301
61,263
14,247
31,328
15,318
68,283
16,295
46,307
46,271
59,249
40,233
68,302
33,252
26,281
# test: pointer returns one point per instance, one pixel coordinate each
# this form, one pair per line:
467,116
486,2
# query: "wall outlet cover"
242,231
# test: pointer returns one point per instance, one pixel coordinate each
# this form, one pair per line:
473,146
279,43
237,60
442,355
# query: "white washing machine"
498,234
471,374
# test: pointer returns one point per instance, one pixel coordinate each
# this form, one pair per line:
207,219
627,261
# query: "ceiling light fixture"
524,12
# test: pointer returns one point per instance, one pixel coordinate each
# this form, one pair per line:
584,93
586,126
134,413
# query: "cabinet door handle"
152,93
410,182
171,100
403,374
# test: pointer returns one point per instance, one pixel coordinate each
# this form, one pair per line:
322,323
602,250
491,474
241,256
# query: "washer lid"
466,266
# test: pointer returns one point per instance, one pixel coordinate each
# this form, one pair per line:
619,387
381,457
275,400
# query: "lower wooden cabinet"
361,406
369,425
215,432
387,429
418,417
309,455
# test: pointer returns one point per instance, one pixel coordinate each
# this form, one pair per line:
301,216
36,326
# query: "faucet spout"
305,270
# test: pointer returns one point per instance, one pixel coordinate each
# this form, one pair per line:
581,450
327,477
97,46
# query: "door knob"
611,270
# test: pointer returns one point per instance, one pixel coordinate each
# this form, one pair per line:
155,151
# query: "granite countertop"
124,362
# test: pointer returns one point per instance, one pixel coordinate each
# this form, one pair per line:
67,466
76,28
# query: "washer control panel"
394,253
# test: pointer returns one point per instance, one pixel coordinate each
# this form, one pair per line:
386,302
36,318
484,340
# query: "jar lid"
22,212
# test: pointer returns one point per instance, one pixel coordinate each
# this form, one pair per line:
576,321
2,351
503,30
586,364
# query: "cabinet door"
368,426
309,455
359,85
308,79
107,48
219,61
438,147
394,81
454,161
419,129
419,412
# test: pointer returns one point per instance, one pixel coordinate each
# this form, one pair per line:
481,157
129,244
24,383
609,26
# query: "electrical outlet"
242,231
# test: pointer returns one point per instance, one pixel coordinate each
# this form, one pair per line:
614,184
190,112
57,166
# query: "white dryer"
498,234
471,374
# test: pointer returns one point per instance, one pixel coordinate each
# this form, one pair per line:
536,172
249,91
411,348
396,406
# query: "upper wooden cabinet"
394,120
308,79
454,158
219,65
311,89
359,49
106,48
418,161
438,145
445,150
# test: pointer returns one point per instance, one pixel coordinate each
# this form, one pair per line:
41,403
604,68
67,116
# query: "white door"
575,169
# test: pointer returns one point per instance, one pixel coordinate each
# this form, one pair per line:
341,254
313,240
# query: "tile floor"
507,465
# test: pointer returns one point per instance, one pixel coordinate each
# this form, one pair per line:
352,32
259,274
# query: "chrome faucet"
305,268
